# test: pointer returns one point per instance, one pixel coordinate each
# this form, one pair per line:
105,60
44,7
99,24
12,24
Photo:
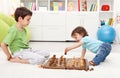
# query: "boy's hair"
22,12
79,30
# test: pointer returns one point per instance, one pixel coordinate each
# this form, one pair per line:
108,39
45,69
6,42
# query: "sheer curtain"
117,28
8,6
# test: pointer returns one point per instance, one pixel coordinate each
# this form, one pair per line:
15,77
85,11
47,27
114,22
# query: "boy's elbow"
3,44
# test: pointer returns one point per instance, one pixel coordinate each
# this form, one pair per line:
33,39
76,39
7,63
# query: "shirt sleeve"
10,37
85,40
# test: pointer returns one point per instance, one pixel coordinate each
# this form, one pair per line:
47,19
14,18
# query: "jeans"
102,53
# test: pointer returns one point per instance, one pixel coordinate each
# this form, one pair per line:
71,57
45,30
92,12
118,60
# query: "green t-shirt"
16,39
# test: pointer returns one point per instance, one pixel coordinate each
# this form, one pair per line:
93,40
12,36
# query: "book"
34,6
70,6
96,6
84,5
91,7
110,22
55,6
31,6
60,6
78,5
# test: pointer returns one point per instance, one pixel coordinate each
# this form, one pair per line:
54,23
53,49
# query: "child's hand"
66,50
81,57
65,53
8,58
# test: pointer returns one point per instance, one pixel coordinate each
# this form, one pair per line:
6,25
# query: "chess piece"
82,63
73,62
61,60
52,60
76,61
68,64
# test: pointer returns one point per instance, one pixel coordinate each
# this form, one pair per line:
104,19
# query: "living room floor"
109,69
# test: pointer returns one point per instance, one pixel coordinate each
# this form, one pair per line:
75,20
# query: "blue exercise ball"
106,33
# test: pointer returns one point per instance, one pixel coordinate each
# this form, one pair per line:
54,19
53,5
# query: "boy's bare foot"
15,59
92,63
40,66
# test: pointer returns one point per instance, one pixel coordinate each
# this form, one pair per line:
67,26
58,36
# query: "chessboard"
66,63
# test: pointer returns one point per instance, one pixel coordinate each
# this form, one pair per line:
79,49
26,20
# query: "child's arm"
6,51
73,47
83,53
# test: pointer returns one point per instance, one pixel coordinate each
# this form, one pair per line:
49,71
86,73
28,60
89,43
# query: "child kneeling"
101,49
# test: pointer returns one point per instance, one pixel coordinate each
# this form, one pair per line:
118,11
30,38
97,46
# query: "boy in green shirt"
17,41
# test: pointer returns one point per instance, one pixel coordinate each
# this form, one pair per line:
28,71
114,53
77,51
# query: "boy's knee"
47,55
38,60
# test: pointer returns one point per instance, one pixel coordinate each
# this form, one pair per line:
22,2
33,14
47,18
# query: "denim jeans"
102,53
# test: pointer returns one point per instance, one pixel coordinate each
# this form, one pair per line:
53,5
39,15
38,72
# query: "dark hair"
80,30
22,12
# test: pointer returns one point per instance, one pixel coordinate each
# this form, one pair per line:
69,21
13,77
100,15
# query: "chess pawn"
54,56
68,64
64,62
56,61
52,60
82,62
73,62
76,61
61,60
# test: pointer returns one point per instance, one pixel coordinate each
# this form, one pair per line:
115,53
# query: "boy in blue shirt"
100,48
